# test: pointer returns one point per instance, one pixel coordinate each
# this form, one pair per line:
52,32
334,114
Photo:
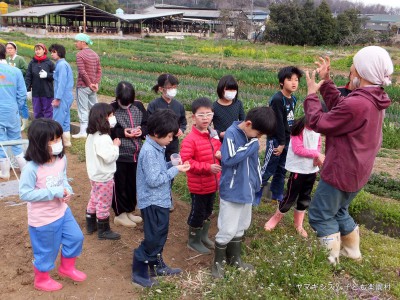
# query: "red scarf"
40,58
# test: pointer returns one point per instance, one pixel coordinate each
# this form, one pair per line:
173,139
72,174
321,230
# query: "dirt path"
107,263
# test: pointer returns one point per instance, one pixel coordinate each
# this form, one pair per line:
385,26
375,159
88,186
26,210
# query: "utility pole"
20,5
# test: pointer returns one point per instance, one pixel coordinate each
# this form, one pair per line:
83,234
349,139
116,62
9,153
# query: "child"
44,185
202,152
240,179
283,103
228,108
153,183
101,154
131,128
167,84
39,78
304,157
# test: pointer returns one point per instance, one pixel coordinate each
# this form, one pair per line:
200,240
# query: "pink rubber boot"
44,282
298,222
67,269
275,219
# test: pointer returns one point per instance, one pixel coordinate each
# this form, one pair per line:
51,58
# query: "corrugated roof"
135,17
40,11
381,18
187,12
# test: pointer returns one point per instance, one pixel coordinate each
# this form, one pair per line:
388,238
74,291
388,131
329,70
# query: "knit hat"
374,64
41,45
83,38
13,44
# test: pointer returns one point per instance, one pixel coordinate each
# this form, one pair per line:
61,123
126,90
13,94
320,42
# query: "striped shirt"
89,69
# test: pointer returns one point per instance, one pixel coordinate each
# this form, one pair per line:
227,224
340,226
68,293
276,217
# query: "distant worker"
89,76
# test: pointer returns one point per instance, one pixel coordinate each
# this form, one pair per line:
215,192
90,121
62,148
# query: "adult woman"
39,78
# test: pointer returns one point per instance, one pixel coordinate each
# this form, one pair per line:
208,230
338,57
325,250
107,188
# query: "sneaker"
79,136
133,218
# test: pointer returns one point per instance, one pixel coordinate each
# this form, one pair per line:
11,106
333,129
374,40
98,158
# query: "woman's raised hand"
312,85
323,67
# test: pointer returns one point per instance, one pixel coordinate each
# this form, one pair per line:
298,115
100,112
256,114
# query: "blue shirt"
153,176
63,81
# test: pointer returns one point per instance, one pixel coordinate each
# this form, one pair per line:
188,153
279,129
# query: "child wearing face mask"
228,108
101,154
44,185
167,85
131,129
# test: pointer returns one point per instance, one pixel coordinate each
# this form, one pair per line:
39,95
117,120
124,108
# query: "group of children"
124,173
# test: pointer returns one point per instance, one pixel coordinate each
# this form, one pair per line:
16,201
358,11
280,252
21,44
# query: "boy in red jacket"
201,149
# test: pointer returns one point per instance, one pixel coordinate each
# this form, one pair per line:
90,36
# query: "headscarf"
374,64
83,38
41,45
13,44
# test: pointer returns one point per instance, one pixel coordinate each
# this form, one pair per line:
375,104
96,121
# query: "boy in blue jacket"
240,179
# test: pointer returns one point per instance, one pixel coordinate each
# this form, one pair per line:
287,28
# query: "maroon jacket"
353,129
199,149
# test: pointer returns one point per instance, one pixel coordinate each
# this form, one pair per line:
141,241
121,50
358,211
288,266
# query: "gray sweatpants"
85,99
233,220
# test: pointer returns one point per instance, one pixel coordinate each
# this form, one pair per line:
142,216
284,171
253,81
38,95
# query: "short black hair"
125,93
98,118
163,80
227,82
201,102
262,119
162,122
2,51
60,49
298,126
287,73
40,133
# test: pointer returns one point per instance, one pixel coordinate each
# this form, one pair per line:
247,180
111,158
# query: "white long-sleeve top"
101,157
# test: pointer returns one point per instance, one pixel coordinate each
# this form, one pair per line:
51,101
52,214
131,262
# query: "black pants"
124,198
202,207
155,226
299,189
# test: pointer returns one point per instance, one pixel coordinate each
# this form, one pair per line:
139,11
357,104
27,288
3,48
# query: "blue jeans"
329,211
46,241
274,166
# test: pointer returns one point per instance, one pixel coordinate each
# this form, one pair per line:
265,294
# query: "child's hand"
215,168
184,168
222,134
319,161
180,132
278,150
137,132
117,142
66,196
218,155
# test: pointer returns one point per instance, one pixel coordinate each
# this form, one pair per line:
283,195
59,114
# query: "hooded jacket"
241,171
353,129
199,149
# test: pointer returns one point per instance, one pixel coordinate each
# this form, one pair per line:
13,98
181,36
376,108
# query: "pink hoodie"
353,129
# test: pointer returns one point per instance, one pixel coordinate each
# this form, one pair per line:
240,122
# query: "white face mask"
56,148
356,82
228,95
113,121
171,93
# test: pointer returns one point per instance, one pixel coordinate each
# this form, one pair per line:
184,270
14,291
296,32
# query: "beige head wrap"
373,63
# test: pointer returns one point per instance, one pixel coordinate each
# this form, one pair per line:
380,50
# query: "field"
288,267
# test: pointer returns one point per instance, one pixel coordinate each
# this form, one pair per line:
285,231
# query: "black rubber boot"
233,253
204,235
140,273
194,241
217,269
104,231
91,224
160,268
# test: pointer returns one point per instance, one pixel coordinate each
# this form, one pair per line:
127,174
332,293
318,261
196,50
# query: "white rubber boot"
24,124
5,168
67,139
351,245
332,243
82,132
21,161
133,218
123,220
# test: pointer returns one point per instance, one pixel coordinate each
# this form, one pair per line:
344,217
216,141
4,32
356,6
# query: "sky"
392,3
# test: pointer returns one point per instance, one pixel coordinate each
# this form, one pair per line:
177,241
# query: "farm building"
381,22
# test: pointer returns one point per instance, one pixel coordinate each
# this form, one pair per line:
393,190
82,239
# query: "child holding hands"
202,152
153,182
44,185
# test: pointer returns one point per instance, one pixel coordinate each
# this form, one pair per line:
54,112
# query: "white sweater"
101,155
